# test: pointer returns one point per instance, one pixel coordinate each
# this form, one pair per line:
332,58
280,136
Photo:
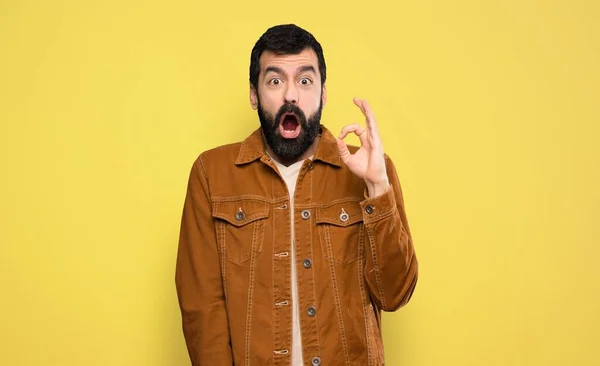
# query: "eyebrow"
301,69
308,68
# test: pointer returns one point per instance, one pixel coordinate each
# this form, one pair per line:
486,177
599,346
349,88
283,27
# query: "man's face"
289,102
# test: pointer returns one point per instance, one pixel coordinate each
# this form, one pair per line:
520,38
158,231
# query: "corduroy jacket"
354,258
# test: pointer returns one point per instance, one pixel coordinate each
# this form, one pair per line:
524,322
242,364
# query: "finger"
372,126
366,111
371,122
358,131
354,127
343,150
359,104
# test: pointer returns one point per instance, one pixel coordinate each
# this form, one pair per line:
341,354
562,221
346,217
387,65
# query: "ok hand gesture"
368,162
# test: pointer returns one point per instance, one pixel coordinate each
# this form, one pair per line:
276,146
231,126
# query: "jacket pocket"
240,226
339,226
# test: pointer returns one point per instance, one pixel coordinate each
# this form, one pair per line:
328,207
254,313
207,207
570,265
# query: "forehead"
289,63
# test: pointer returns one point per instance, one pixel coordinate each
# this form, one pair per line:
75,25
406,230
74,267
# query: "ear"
253,97
324,95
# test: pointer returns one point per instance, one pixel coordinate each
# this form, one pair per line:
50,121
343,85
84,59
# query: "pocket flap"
240,212
339,214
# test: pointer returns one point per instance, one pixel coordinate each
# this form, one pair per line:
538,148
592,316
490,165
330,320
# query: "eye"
305,81
275,81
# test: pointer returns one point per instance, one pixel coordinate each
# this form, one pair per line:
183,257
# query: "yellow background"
490,110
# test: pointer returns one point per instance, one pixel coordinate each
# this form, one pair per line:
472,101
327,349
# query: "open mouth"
289,126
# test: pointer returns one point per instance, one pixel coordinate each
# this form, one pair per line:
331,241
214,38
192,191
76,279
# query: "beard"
290,149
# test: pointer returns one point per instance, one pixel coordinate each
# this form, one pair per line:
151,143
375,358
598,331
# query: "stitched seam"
221,236
274,319
247,197
376,267
294,255
259,215
363,295
328,203
310,198
324,220
312,283
381,216
336,294
255,234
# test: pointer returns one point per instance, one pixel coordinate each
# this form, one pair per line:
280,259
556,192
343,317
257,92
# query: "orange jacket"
354,258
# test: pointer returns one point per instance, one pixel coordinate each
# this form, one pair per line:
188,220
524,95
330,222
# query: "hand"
368,162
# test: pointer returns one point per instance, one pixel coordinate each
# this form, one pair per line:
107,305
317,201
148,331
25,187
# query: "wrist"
378,188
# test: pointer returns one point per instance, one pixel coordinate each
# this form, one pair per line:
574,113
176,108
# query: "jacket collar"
253,148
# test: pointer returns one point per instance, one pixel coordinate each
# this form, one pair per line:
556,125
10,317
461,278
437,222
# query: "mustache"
290,108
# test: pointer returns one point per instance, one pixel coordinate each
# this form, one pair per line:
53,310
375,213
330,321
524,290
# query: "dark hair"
285,39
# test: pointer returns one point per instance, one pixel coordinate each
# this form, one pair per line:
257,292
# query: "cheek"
310,104
269,103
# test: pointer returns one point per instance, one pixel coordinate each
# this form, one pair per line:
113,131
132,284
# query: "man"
292,242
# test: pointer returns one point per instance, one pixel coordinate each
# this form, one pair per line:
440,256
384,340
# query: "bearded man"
292,243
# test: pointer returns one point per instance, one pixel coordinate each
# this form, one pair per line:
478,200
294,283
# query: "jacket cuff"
378,207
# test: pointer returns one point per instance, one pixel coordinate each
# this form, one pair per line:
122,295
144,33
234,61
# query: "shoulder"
219,156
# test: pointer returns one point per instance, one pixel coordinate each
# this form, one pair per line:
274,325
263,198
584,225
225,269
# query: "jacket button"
305,214
240,215
369,209
307,263
310,166
311,311
344,216
316,361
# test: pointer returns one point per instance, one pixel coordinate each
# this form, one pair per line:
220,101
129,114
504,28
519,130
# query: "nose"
291,94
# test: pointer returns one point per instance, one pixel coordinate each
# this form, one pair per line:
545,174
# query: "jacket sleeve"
391,267
198,278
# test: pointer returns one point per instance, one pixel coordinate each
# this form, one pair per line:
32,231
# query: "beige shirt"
290,175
